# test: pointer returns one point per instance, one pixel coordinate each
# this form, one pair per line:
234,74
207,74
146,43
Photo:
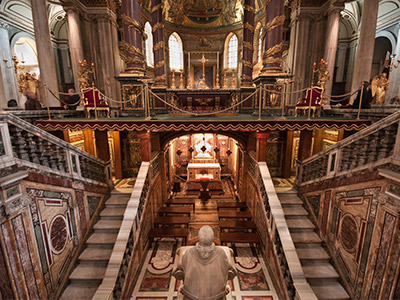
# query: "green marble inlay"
12,191
394,189
51,194
355,193
315,203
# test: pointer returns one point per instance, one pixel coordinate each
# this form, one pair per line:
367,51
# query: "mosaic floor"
155,281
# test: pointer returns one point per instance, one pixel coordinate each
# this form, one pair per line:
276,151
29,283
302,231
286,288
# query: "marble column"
275,18
248,37
158,44
341,62
131,48
299,49
262,139
47,65
105,64
365,51
394,86
102,148
318,141
74,42
8,85
287,163
305,144
331,42
117,155
88,139
350,64
145,145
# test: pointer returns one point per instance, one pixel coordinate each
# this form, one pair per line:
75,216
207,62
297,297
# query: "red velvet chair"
101,103
315,97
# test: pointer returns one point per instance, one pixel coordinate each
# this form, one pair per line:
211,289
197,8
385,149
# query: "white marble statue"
205,268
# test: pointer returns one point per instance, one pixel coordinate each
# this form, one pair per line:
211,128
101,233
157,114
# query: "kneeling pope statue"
205,268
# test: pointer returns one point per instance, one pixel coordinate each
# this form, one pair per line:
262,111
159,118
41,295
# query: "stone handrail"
374,146
25,145
292,272
129,234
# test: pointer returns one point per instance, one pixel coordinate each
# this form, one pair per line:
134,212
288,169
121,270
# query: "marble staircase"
92,262
319,272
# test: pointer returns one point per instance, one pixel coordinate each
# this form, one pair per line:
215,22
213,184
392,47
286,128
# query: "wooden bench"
177,210
182,201
241,205
234,214
229,237
234,224
171,221
168,232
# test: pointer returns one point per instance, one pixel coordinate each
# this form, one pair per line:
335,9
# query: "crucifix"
202,83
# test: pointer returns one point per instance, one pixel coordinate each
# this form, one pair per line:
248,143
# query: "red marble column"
131,48
273,42
158,43
102,148
248,37
262,146
145,145
305,144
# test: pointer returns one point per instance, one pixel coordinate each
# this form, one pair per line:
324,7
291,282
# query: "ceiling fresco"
203,12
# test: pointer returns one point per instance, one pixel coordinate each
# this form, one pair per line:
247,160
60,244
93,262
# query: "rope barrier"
118,101
69,104
204,114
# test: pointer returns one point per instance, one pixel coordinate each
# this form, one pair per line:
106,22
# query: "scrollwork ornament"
277,21
133,23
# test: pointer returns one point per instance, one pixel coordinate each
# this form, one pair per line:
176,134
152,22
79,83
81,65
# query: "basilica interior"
127,125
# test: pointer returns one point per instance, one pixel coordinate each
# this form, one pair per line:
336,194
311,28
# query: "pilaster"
305,144
262,138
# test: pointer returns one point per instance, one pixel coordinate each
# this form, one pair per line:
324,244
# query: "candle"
22,56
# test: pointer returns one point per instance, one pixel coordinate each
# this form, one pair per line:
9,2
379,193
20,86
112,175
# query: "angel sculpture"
379,86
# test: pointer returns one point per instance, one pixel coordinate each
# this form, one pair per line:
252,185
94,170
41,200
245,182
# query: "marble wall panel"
5,282
364,236
82,211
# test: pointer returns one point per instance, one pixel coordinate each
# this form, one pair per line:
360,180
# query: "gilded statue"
379,86
84,74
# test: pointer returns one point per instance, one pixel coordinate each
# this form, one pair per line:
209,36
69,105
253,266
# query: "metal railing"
374,146
275,225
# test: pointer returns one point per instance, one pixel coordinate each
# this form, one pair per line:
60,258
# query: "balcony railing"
25,145
377,145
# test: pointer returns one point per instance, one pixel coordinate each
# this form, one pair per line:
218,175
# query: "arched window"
149,45
259,57
175,52
231,50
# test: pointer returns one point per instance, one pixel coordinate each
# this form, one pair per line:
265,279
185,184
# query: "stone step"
115,213
79,291
100,238
119,201
306,238
312,254
88,272
96,255
320,271
300,224
290,200
109,225
294,212
330,291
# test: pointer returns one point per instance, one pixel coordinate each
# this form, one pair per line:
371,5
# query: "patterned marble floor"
155,281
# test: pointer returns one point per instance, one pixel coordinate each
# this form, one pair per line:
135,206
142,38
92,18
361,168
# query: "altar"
204,171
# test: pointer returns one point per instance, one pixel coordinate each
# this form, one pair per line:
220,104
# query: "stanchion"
283,91
309,105
47,100
94,102
259,104
359,103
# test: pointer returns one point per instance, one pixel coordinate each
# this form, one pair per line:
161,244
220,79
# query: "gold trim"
246,77
124,46
133,23
131,60
277,21
160,64
159,45
157,26
272,60
162,77
248,26
155,8
198,126
249,8
248,45
247,63
273,50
